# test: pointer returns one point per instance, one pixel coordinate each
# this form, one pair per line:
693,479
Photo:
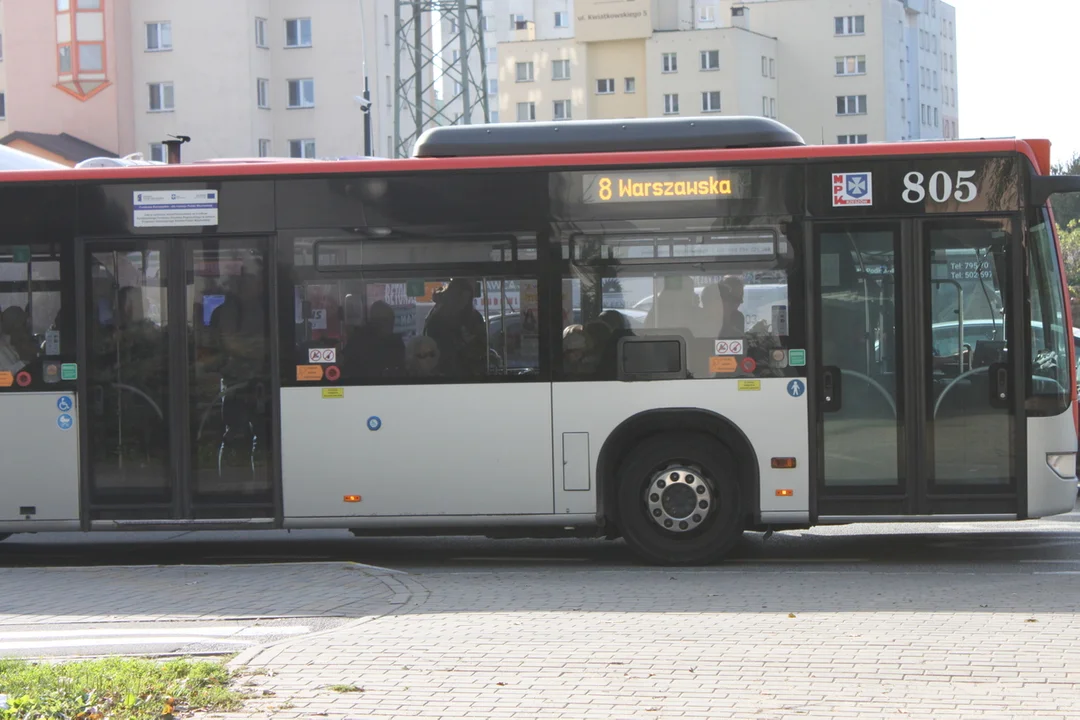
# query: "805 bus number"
941,187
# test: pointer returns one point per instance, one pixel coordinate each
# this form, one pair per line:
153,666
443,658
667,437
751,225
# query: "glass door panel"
969,366
127,333
860,358
229,406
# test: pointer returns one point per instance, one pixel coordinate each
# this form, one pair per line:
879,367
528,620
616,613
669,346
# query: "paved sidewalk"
763,643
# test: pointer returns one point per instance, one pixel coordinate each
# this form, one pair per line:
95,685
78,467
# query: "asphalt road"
1054,539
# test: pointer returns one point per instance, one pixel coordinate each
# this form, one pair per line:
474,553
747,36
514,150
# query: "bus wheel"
679,500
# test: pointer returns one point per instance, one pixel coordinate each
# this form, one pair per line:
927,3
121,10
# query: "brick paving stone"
578,644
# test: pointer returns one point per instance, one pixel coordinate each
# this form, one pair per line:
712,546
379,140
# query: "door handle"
831,389
999,385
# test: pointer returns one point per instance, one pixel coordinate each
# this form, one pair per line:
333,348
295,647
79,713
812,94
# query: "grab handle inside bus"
831,389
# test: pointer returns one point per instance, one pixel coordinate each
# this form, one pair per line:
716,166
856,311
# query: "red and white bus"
669,331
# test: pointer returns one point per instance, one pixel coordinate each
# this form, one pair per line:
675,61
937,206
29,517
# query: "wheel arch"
651,422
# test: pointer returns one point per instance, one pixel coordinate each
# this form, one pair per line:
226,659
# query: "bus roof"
592,136
567,161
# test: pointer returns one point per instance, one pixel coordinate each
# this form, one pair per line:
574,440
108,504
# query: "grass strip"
113,689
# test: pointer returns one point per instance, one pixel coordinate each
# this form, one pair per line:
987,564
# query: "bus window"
32,332
679,286
398,318
1049,355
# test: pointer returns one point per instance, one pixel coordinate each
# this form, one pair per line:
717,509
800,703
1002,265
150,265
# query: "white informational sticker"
729,347
322,355
52,342
779,320
852,189
176,208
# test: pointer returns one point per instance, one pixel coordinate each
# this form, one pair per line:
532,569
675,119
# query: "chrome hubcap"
679,499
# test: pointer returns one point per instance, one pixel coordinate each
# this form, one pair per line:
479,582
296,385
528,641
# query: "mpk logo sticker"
852,189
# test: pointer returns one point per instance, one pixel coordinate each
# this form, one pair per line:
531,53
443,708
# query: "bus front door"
915,402
178,424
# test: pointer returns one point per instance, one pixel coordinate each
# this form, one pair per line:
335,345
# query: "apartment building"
837,71
264,78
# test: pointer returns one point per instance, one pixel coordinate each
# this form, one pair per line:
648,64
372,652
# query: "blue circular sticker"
64,422
796,388
374,423
64,403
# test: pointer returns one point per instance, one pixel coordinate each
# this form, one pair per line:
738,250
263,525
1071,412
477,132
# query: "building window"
671,104
562,19
489,23
302,148
560,69
629,85
772,67
561,110
772,108
710,59
389,90
851,65
262,92
517,22
457,88
524,72
493,86
936,118
850,25
710,101
494,116
161,97
670,62
851,139
264,147
157,152
82,30
526,111
605,86
492,55
706,14
3,106
302,93
91,57
159,36
298,33
851,105
765,106
935,80
260,33
386,30
764,66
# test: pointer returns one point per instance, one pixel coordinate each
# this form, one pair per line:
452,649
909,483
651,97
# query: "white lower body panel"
40,468
1048,493
430,450
772,419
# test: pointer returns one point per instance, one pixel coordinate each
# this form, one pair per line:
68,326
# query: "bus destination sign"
663,185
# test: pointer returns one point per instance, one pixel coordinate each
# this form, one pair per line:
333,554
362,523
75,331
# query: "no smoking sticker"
729,347
322,355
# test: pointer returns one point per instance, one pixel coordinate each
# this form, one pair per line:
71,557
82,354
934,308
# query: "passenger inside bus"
17,346
459,330
374,349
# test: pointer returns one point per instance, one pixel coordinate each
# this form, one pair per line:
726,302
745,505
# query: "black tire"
722,526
